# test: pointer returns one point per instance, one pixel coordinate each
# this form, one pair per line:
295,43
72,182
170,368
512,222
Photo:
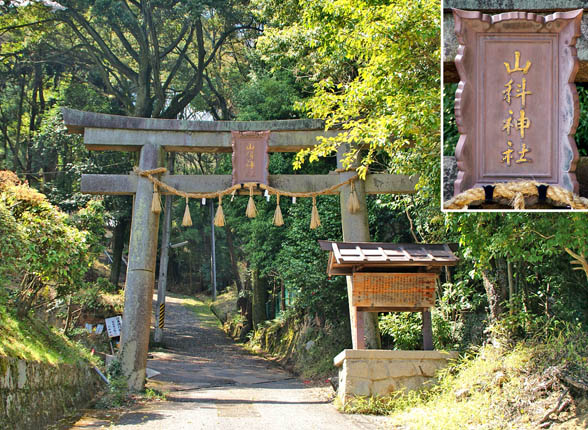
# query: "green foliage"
268,97
547,292
450,132
582,130
42,249
404,329
375,68
301,263
117,394
385,405
493,387
522,238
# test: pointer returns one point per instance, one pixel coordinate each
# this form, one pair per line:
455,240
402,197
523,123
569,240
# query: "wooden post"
364,325
140,276
427,331
163,260
212,251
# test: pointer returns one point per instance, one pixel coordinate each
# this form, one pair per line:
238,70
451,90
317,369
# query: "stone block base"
376,372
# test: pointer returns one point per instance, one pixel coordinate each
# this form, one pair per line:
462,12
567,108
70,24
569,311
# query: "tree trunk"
233,257
259,298
242,302
247,296
119,239
68,318
495,282
282,295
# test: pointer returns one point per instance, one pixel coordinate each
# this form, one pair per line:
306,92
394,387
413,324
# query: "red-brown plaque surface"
250,156
516,105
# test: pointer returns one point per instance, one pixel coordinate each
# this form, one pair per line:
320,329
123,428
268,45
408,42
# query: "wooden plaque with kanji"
250,159
516,106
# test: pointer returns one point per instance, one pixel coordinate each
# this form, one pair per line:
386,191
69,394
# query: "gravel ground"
212,383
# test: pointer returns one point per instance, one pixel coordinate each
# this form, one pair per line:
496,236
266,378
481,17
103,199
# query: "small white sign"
113,326
150,373
99,328
89,328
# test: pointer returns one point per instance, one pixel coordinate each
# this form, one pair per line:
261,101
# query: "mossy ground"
200,305
33,340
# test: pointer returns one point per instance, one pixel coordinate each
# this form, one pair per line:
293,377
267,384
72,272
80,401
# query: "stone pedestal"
379,372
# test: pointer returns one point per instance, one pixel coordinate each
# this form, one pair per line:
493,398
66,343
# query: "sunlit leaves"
376,68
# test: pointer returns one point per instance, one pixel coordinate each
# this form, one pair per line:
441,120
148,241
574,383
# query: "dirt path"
213,383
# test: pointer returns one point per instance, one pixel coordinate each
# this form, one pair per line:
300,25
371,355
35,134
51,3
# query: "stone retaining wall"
376,372
34,395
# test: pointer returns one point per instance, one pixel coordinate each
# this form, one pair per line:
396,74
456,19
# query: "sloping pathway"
213,383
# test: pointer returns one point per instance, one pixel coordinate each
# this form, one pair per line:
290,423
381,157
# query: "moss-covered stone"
35,394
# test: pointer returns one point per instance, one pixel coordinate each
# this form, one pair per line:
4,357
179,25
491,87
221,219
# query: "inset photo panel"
515,106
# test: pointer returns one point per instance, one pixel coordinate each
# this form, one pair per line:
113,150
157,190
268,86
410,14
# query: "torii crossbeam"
152,137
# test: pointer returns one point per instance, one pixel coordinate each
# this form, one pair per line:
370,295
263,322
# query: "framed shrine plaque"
516,105
250,159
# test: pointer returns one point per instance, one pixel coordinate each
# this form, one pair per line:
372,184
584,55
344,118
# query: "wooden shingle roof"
348,257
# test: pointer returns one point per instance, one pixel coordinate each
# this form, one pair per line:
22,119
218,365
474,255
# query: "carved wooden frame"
469,25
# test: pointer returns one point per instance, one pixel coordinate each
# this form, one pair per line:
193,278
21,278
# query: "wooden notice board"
392,291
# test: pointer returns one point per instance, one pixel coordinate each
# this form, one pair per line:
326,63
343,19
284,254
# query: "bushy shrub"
42,252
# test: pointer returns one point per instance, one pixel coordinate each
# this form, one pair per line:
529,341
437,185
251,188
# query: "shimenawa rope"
251,211
516,194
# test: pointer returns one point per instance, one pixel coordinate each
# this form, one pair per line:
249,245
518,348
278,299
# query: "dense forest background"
369,66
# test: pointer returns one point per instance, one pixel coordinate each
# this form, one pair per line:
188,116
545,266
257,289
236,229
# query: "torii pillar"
140,275
356,229
152,136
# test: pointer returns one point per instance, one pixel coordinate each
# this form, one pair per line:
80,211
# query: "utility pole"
212,251
163,259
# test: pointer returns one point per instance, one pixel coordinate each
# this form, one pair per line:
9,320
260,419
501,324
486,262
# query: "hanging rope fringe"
278,219
519,201
156,201
315,221
187,220
251,209
353,202
516,194
219,218
162,185
251,212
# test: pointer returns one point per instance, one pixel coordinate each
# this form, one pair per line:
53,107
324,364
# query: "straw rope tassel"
219,218
187,221
278,219
315,221
251,209
353,202
519,201
156,201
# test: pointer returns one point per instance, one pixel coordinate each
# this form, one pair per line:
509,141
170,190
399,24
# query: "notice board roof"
348,257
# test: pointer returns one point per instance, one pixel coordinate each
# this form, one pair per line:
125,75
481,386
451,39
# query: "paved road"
213,383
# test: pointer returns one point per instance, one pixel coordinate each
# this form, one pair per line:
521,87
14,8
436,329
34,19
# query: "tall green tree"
152,56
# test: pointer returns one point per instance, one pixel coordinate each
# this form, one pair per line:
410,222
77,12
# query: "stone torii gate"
151,138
